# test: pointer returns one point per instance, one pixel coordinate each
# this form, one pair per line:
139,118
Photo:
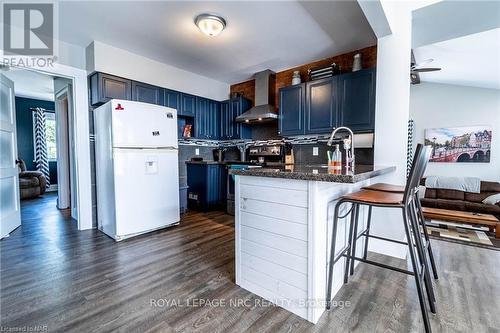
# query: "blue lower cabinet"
207,186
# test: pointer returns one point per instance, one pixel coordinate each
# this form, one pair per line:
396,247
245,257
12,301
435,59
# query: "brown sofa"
31,183
463,201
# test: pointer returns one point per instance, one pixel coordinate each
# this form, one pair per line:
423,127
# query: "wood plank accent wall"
284,78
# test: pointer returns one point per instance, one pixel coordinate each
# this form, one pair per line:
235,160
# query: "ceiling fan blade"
426,69
420,64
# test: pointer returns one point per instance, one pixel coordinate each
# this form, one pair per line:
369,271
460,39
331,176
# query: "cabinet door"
173,100
225,129
214,120
188,105
105,87
142,92
201,119
357,100
235,108
321,105
291,111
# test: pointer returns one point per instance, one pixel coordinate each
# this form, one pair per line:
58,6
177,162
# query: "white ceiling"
31,84
446,20
472,60
259,34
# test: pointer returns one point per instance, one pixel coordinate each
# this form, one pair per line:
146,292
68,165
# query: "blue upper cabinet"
321,105
104,87
173,100
214,108
142,92
207,119
226,128
201,122
292,101
357,100
316,107
188,105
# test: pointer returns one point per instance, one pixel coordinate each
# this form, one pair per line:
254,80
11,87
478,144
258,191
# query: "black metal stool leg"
351,228
368,223
426,235
332,255
354,238
422,256
416,270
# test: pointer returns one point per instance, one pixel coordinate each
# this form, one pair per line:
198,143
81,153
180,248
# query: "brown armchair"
31,183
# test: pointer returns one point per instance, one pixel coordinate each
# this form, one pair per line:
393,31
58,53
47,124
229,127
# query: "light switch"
197,151
315,151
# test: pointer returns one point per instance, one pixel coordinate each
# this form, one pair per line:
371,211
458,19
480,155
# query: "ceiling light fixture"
210,25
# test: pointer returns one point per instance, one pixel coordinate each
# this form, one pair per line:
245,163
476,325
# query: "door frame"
63,139
81,134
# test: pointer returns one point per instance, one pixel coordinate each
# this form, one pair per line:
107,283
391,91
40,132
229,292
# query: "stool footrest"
379,264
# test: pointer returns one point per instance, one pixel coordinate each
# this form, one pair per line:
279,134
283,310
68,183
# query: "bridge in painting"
461,155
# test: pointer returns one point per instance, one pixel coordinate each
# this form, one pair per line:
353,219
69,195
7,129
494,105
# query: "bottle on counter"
336,162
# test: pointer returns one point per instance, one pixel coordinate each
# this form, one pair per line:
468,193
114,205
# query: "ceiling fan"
417,68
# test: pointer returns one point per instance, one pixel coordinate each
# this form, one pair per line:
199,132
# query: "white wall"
109,59
434,105
391,113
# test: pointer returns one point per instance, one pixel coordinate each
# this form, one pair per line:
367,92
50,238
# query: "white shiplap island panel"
283,229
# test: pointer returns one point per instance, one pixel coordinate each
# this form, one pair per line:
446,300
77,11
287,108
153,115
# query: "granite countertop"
223,162
204,162
318,173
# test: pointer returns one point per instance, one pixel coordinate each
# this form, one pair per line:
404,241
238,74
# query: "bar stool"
384,187
405,202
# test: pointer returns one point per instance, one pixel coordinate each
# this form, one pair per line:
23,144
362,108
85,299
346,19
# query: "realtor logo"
28,29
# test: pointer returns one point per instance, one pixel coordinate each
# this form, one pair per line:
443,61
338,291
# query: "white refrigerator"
137,170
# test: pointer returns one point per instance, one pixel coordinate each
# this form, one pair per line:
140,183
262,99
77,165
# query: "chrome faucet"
348,145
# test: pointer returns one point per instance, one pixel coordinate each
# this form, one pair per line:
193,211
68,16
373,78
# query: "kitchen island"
283,222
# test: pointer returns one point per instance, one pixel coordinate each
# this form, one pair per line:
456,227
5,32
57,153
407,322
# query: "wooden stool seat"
384,187
375,197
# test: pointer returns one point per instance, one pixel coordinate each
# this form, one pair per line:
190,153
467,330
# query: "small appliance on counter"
289,157
219,154
267,154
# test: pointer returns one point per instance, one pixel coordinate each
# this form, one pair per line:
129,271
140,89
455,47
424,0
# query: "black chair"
416,246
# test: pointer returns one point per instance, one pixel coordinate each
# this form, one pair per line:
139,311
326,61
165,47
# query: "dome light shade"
210,25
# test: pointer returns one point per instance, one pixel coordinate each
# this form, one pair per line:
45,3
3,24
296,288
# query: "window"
50,135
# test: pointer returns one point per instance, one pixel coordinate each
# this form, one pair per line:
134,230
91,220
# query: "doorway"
45,146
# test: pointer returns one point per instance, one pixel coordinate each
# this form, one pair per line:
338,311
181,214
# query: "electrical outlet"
315,151
197,151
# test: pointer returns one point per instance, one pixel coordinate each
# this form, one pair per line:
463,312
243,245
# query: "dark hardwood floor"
54,275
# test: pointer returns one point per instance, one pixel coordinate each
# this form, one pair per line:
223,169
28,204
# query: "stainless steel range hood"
263,111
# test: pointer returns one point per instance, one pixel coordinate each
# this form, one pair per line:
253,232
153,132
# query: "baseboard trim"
52,188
